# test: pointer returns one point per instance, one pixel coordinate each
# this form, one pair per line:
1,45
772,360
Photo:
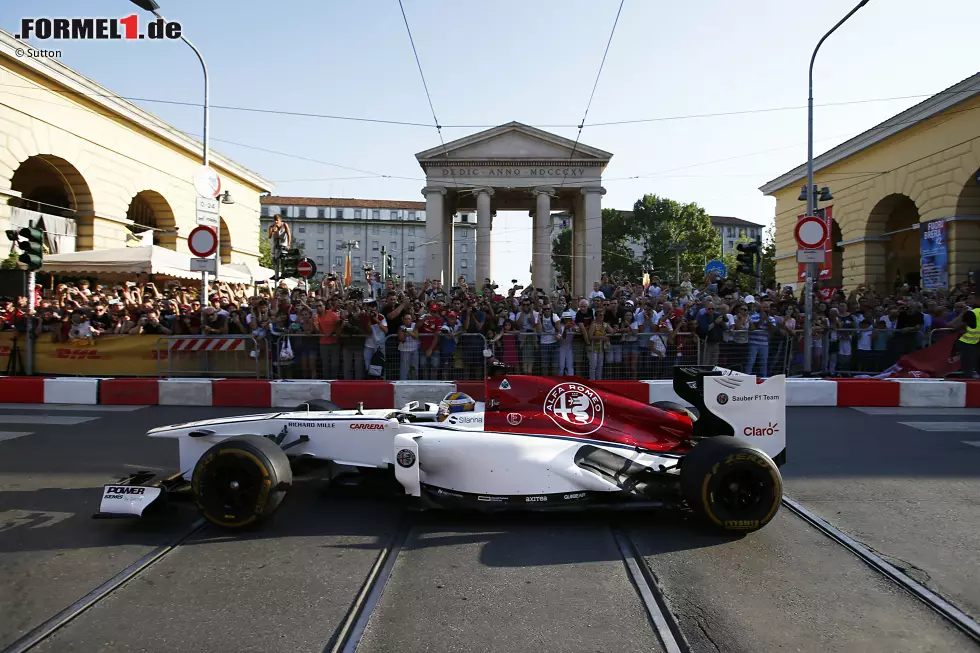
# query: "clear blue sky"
493,61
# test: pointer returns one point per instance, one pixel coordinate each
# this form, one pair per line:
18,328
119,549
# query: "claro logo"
370,426
755,431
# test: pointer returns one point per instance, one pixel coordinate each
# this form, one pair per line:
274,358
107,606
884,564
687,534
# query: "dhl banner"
103,356
143,355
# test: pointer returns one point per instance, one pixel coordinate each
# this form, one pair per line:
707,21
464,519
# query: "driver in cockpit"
455,402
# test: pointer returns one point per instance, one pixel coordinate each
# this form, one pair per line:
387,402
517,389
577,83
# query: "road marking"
944,426
972,443
909,410
83,408
10,435
53,420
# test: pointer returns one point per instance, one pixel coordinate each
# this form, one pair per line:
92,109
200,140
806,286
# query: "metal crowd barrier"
742,351
210,356
353,357
938,334
642,356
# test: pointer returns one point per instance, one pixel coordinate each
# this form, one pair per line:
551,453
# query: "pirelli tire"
732,486
241,481
674,407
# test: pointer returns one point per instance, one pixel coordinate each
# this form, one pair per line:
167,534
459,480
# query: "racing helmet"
455,402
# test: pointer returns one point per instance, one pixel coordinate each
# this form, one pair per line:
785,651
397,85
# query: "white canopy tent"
147,259
254,271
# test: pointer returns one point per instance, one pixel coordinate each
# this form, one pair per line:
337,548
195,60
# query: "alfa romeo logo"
405,457
575,408
722,399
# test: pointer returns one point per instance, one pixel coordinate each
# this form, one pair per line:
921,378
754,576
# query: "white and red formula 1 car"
534,443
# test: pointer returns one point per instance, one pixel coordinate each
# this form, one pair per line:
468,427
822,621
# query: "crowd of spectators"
622,329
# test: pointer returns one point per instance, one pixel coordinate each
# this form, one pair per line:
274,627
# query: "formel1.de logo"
575,408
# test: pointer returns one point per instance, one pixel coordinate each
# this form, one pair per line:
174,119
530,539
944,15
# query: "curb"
260,393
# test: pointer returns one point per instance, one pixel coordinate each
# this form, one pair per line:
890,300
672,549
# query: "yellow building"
920,165
73,149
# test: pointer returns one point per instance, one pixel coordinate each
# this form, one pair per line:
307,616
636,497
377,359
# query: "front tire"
241,481
734,487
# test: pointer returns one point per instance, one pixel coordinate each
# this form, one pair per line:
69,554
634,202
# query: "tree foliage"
659,222
561,253
769,256
617,256
265,250
11,262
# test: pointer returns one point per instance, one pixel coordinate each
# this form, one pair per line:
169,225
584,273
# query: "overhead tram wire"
625,178
407,123
868,175
595,85
428,96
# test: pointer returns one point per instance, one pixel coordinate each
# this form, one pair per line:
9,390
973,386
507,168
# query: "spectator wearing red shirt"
429,360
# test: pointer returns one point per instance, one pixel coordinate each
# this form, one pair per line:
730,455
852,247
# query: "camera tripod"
14,365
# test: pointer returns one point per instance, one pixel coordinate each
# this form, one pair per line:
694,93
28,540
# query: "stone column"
578,283
541,276
483,251
434,252
448,234
593,234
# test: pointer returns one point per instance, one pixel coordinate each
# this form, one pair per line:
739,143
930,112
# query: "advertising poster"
826,267
934,257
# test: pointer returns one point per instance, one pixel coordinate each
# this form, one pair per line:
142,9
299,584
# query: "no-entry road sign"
306,268
811,232
202,241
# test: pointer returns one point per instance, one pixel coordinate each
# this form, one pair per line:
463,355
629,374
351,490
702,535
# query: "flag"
348,275
933,362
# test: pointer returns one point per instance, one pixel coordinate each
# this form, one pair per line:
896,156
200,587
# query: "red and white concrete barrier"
260,393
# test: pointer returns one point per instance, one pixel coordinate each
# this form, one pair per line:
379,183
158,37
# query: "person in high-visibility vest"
969,343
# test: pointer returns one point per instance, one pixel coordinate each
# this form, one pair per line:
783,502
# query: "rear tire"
241,481
317,405
732,486
674,407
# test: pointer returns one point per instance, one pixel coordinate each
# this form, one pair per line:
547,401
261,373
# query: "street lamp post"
811,200
676,247
152,7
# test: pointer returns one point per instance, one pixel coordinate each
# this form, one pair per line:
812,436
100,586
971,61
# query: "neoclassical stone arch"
224,242
149,208
49,183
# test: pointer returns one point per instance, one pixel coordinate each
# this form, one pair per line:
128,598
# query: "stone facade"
921,165
104,151
516,167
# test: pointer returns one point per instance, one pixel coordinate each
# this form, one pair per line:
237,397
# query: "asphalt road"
468,583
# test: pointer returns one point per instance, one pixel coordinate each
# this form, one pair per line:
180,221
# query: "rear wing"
736,404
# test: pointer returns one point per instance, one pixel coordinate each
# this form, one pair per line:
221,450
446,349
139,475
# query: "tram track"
934,601
661,619
49,627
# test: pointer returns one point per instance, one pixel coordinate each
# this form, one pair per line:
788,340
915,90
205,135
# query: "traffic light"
290,260
391,266
747,259
32,246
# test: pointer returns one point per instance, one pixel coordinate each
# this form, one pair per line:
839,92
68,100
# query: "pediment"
513,141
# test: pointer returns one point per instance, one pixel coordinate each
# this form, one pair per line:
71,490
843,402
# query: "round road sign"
306,267
207,183
811,232
202,241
